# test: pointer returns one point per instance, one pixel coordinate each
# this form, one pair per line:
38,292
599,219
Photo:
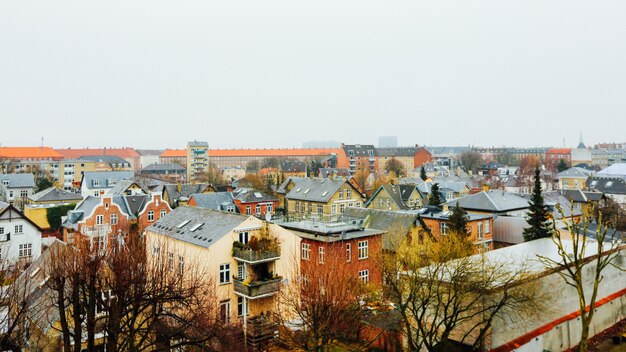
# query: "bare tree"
470,160
579,258
394,165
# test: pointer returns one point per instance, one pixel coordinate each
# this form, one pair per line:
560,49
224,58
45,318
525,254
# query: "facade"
180,193
409,157
573,178
38,204
36,160
174,156
396,197
322,197
197,159
479,226
20,238
346,241
95,183
247,277
127,154
241,157
555,155
358,157
16,187
253,202
167,172
232,173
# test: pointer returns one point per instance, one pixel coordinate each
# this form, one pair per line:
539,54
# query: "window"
333,209
113,219
487,226
225,311
230,209
363,249
170,261
310,208
348,252
342,208
320,209
321,255
364,275
268,208
388,202
224,273
156,251
340,193
241,271
11,194
297,207
19,229
249,209
241,307
96,193
480,230
443,227
106,205
96,183
1,230
162,214
26,250
258,209
381,201
23,194
244,237
151,216
348,193
181,264
306,251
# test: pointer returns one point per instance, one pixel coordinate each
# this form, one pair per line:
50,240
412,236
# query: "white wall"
10,249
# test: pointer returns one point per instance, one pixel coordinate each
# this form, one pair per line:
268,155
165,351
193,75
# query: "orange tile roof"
273,152
29,153
71,153
174,153
559,151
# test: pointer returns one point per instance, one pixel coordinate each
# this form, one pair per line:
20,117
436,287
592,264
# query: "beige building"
320,196
197,159
248,258
396,197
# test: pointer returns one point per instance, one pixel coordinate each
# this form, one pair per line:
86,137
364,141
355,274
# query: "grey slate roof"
123,185
339,172
113,160
170,168
293,166
130,205
576,172
492,201
397,151
395,194
186,190
608,185
17,180
82,209
105,178
360,150
54,194
216,201
178,224
283,187
397,224
249,195
316,189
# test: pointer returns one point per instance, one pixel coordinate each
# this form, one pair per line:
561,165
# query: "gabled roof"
17,180
214,201
54,194
283,187
183,223
112,160
29,153
124,185
395,194
574,172
163,167
3,205
10,207
608,185
554,198
249,195
105,178
396,224
186,190
317,189
614,170
360,150
492,201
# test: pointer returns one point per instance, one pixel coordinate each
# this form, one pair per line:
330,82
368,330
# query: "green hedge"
55,213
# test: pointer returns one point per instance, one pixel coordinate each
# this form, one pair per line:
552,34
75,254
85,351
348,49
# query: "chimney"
485,187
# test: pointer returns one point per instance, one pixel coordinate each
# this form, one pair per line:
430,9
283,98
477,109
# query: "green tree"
458,220
435,197
562,165
423,173
54,215
394,165
538,217
42,183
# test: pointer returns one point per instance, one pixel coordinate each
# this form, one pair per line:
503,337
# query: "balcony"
257,289
256,257
97,230
260,331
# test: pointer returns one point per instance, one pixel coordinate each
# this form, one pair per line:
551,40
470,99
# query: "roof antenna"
42,144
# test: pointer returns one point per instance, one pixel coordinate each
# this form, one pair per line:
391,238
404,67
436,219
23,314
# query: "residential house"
320,196
359,157
99,219
583,200
179,193
231,173
345,240
101,182
16,187
573,178
248,271
479,226
398,225
222,201
611,181
39,203
293,168
253,202
127,154
20,238
128,187
555,155
197,159
284,188
404,155
167,172
396,197
149,157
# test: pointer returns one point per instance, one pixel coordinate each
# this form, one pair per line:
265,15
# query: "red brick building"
101,218
253,202
555,155
422,156
479,226
347,242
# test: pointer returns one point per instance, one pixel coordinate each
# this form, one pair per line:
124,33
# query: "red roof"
273,152
174,153
559,151
29,153
123,153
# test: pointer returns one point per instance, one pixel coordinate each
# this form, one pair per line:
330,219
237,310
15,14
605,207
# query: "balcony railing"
257,289
97,230
253,257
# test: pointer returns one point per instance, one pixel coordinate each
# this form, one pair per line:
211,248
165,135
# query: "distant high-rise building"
197,159
387,142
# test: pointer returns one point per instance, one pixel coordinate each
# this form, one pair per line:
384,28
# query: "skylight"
180,226
609,184
196,226
307,190
324,194
298,190
258,195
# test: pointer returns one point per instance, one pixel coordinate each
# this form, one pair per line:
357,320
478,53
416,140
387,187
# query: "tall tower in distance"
581,144
197,159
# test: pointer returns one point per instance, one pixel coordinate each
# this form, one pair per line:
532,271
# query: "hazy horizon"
156,74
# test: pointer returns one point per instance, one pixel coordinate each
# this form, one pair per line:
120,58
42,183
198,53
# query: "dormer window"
5,182
96,183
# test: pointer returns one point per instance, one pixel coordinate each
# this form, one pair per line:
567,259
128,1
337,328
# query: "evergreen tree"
423,174
435,197
562,165
458,221
537,218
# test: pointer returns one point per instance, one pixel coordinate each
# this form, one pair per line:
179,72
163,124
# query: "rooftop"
29,153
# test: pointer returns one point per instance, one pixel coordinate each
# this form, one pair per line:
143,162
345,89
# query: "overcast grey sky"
275,73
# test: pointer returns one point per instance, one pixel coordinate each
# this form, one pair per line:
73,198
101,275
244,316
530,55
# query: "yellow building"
396,197
248,258
320,196
574,178
37,205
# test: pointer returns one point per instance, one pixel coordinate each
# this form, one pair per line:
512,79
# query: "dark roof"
106,179
110,159
492,201
163,167
395,194
54,194
360,150
397,151
186,190
340,172
283,187
292,166
249,195
215,200
198,226
397,224
316,189
12,208
608,185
